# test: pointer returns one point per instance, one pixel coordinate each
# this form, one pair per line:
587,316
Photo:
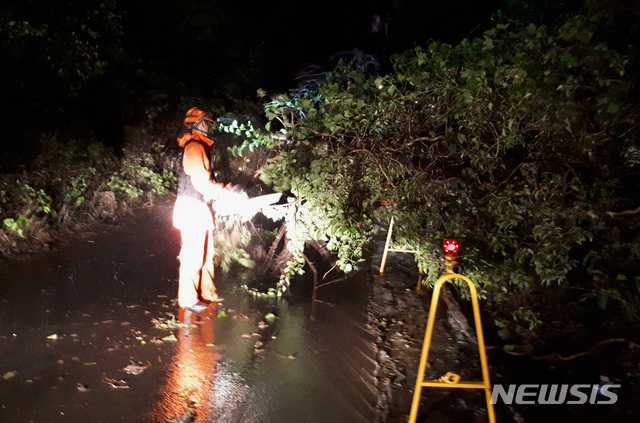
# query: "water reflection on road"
288,369
191,374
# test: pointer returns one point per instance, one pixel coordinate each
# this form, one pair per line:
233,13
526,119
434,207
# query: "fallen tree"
522,143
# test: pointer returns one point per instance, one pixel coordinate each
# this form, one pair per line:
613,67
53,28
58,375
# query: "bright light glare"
231,202
234,202
192,373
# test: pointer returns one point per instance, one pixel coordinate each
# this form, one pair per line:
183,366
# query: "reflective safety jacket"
195,186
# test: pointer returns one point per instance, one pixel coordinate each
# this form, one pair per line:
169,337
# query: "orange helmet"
195,115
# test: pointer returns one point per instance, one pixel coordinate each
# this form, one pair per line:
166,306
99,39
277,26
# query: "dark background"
76,72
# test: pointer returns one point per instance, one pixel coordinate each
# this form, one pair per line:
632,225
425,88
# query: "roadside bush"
70,193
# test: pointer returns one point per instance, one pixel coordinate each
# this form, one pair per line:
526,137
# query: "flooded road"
91,332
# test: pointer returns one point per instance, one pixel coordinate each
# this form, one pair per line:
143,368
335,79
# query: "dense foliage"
39,208
523,144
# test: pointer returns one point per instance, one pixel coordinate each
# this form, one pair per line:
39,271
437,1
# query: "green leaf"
9,375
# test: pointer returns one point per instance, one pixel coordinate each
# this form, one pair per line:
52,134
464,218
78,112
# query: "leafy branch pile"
523,144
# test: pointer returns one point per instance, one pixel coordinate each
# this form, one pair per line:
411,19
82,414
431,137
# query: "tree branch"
423,139
378,162
558,357
626,212
314,132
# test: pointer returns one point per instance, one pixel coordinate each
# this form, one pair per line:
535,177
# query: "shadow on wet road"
91,332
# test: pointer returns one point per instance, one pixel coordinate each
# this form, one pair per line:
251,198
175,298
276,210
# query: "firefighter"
193,216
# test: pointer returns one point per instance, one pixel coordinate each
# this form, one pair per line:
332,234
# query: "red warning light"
450,246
